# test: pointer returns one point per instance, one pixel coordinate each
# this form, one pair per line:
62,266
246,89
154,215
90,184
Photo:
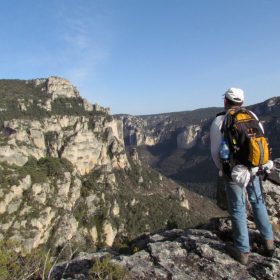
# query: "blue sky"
146,56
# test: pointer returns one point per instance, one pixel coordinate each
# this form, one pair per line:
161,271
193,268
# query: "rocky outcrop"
267,107
136,131
10,201
57,206
66,137
183,254
272,197
30,211
188,137
36,209
186,127
58,87
197,253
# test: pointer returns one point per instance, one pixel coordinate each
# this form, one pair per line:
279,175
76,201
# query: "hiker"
244,184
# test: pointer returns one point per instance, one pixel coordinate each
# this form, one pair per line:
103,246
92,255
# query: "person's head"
234,97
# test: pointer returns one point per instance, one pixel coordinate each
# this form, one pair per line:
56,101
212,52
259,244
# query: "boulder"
185,255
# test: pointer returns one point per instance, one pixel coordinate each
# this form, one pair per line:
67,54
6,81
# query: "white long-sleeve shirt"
216,139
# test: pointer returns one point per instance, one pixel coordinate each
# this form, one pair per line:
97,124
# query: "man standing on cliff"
236,194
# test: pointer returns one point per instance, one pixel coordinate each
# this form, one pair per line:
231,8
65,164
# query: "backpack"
245,137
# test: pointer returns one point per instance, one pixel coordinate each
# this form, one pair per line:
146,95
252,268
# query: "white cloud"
85,35
77,34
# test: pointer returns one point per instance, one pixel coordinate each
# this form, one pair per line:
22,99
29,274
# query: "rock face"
185,127
57,87
30,211
87,140
184,254
43,206
137,132
67,137
65,177
272,195
188,137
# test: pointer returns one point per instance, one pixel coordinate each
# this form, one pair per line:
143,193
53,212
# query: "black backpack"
245,137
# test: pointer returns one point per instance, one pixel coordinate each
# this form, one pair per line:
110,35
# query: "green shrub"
44,168
50,136
81,213
38,175
105,269
7,176
12,90
90,182
99,219
68,106
122,244
15,265
67,165
51,166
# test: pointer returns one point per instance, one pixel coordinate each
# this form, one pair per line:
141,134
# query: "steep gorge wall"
65,175
66,137
87,140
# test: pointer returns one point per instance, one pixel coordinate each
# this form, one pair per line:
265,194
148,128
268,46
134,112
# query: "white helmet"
235,95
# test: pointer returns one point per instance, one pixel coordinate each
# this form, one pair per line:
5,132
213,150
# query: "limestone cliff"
66,177
84,139
69,137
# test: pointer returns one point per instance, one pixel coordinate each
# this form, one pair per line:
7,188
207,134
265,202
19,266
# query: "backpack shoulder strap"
239,110
221,113
227,120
